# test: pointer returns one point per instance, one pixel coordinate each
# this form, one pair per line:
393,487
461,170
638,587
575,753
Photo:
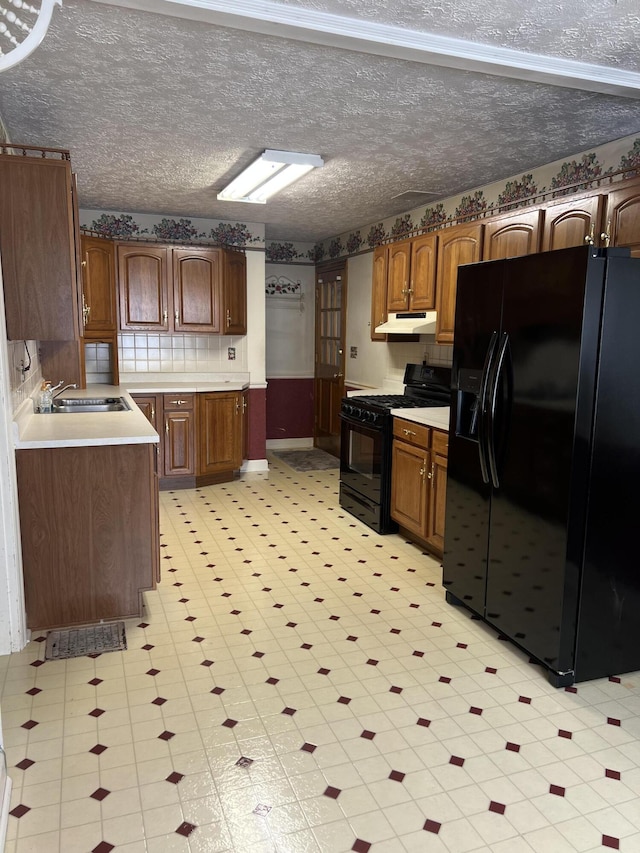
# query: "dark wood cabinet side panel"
121,528
55,533
38,249
87,529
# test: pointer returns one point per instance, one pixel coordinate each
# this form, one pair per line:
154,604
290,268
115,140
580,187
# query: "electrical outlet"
354,352
231,353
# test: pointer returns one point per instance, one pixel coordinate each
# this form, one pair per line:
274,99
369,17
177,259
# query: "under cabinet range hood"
409,323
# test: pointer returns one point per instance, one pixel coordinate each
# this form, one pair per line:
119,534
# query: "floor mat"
308,460
90,640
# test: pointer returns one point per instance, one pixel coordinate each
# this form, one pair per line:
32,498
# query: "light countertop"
85,429
433,416
165,383
183,387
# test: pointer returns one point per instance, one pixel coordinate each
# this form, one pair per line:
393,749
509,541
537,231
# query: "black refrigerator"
543,487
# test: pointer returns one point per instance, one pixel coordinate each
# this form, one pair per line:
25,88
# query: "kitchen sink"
90,404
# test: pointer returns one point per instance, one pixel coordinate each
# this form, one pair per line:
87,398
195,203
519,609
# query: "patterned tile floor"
298,684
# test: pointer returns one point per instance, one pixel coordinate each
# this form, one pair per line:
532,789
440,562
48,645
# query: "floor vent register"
88,640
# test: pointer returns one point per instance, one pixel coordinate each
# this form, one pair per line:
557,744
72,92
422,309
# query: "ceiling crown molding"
309,25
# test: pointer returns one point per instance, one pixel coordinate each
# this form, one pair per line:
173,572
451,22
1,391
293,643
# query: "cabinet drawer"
440,441
411,432
176,402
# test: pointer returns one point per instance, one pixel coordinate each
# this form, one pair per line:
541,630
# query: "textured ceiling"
160,112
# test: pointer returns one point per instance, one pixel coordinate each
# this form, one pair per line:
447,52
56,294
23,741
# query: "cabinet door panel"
150,408
408,487
234,321
423,272
379,291
438,480
142,281
461,244
398,276
196,290
572,223
179,456
511,236
219,432
98,284
622,219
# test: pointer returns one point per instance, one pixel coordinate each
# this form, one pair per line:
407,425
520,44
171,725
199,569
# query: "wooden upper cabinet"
571,223
197,278
622,219
460,244
98,285
399,264
512,235
412,274
234,293
422,296
142,282
379,292
38,248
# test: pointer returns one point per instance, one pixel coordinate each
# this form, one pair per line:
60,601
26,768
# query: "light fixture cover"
270,173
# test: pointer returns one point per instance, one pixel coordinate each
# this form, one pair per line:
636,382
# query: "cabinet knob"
606,235
177,316
153,413
228,317
165,316
590,237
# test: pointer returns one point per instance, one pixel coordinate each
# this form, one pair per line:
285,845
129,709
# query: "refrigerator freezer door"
479,299
527,585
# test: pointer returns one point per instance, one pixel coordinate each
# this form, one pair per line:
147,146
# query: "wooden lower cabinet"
419,482
438,486
202,436
220,417
89,529
179,435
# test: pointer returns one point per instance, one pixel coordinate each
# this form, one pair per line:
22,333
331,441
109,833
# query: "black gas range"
366,441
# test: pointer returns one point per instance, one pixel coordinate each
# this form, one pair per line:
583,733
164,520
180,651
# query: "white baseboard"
289,443
251,466
4,810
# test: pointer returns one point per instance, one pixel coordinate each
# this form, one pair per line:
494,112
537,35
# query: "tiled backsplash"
439,354
140,352
22,384
97,362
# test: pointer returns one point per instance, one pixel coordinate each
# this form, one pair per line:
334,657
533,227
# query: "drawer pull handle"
177,402
408,431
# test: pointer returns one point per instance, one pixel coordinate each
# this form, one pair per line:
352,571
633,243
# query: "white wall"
13,631
290,324
378,363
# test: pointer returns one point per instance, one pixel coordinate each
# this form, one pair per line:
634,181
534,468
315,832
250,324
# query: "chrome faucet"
58,389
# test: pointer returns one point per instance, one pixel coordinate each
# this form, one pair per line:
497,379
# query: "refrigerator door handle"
493,400
482,403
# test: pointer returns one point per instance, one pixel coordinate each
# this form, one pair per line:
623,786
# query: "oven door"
362,458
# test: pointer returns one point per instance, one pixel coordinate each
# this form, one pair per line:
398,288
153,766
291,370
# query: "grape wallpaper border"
509,194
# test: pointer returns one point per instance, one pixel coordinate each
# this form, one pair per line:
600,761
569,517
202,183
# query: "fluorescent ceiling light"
270,173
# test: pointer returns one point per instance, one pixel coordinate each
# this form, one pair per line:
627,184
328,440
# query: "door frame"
331,442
